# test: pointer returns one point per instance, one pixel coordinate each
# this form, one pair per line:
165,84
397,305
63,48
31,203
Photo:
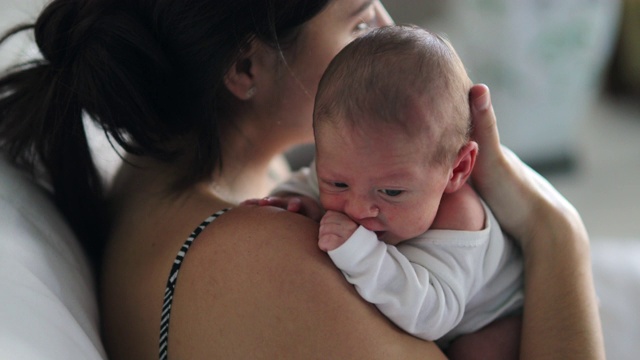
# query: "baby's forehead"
368,132
388,147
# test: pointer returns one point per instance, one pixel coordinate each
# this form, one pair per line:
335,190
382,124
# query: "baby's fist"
335,229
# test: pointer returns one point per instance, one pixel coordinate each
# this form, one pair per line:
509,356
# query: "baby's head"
392,127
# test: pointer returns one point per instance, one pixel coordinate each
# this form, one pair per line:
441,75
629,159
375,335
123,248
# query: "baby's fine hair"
379,75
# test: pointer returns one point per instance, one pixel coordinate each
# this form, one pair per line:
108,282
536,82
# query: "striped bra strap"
173,280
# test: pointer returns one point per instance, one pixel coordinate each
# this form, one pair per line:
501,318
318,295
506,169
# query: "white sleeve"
413,297
303,182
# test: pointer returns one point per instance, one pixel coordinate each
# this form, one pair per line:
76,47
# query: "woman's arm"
560,318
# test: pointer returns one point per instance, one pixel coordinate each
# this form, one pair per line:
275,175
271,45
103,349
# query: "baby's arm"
298,194
425,303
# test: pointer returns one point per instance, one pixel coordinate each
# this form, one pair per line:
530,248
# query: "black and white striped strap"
173,279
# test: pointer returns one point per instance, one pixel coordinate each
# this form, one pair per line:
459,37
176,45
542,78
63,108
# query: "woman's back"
253,285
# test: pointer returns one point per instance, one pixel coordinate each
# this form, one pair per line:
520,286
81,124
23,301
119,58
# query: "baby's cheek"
331,202
409,225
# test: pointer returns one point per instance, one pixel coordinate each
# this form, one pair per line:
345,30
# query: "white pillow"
48,304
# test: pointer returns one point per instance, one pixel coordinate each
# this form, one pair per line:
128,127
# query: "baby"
393,157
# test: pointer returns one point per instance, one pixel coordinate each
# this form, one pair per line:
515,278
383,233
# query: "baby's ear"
462,167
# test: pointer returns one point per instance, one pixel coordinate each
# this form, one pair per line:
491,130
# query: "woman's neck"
240,180
247,172
250,169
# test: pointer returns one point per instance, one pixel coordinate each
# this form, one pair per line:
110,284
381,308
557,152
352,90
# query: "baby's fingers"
328,242
334,217
251,202
289,204
294,205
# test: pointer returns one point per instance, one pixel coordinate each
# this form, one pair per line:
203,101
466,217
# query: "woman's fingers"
517,195
484,120
499,176
484,124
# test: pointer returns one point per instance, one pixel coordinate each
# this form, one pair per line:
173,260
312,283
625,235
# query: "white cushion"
48,305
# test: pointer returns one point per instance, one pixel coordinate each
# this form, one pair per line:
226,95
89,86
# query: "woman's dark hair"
149,72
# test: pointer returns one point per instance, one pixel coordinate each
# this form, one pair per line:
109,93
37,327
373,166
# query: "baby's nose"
359,209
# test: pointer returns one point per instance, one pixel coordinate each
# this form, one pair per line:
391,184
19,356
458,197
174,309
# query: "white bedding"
48,306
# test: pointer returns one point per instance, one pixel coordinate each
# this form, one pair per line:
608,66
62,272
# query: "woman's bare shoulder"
255,284
267,220
276,242
264,236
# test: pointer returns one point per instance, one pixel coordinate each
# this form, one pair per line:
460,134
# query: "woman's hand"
560,319
520,198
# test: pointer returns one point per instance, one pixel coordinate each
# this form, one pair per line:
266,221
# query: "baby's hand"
335,229
294,203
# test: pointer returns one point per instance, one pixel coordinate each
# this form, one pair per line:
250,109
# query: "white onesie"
437,286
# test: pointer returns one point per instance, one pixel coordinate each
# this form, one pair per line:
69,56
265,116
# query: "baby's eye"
392,193
340,185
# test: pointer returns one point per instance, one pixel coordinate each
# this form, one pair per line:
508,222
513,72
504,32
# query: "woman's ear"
462,167
240,78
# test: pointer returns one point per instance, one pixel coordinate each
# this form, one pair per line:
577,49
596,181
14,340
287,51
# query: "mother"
204,96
